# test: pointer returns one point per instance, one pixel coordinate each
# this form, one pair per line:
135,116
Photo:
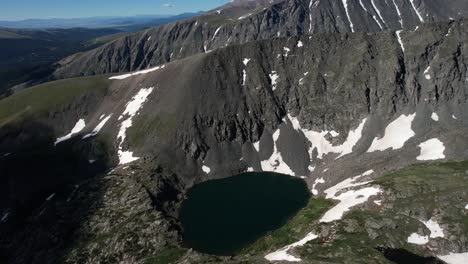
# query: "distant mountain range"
130,23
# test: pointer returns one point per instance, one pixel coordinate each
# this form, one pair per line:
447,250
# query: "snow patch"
50,197
416,10
455,258
273,78
345,4
125,76
347,200
432,149
378,13
246,61
435,117
454,117
378,202
426,73
132,108
434,227
244,77
98,128
80,125
417,239
398,33
318,140
244,16
206,169
300,44
346,184
317,181
257,146
396,134
282,254
400,19
276,163
286,50
363,7
216,33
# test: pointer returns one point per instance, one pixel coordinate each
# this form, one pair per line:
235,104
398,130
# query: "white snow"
50,197
317,181
347,200
319,141
244,76
282,254
426,73
345,4
132,108
287,50
80,125
300,44
466,207
362,5
400,19
125,76
206,169
378,13
417,12
455,258
454,117
276,163
434,227
149,38
216,32
246,61
417,239
301,81
378,202
398,33
98,128
244,16
250,169
432,149
5,217
257,146
346,184
396,134
274,78
435,117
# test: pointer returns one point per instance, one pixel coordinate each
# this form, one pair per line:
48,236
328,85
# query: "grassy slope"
39,100
430,187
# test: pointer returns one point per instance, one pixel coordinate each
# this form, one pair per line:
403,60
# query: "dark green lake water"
223,216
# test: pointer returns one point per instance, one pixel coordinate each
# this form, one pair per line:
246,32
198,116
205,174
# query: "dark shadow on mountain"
403,256
39,182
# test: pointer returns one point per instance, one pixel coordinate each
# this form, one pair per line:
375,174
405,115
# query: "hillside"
270,105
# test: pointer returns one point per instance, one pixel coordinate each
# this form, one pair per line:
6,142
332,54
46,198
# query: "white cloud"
168,5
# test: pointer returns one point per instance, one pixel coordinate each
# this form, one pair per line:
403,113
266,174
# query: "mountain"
93,169
240,22
27,55
131,23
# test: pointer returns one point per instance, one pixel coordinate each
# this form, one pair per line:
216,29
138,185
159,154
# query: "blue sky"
24,9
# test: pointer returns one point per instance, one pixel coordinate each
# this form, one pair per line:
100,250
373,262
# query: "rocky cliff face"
324,107
244,21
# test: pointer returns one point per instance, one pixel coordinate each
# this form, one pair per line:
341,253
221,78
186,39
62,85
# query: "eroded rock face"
245,21
311,106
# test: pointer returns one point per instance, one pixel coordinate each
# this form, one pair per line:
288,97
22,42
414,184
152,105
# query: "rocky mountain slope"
244,21
110,157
